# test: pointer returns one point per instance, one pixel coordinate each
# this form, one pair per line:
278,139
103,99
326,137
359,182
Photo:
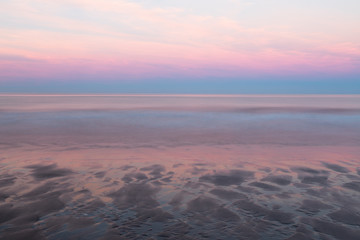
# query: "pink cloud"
129,40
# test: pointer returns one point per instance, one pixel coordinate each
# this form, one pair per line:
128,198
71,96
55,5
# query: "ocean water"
179,166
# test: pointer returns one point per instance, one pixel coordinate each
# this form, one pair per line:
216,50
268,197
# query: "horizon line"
15,94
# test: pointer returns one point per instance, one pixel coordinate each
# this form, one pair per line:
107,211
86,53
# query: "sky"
180,46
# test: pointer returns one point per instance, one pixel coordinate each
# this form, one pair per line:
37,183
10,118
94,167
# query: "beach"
179,166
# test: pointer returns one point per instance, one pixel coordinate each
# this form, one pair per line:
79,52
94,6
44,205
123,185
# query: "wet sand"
75,168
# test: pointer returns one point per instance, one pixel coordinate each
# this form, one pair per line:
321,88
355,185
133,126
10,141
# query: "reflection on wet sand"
134,199
99,185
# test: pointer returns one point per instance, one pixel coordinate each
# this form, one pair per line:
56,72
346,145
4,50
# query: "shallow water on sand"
179,167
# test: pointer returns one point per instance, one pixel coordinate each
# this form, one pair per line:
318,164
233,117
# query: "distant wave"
254,104
252,110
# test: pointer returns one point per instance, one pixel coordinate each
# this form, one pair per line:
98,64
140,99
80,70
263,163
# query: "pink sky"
143,39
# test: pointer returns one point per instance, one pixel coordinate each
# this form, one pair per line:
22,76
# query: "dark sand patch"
91,206
45,199
16,234
178,165
227,194
245,231
194,185
282,180
154,214
178,198
347,216
265,186
312,176
261,225
299,236
248,190
100,174
71,223
135,195
336,168
353,186
157,183
352,177
3,196
280,216
308,170
252,208
200,164
283,170
129,177
265,169
233,177
176,231
284,195
224,214
41,172
196,170
72,227
29,213
44,206
319,180
166,179
6,180
209,207
346,200
7,212
126,167
335,230
313,206
202,204
258,211
302,233
319,192
43,189
154,170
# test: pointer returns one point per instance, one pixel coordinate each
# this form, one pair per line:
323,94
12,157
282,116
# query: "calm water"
179,167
